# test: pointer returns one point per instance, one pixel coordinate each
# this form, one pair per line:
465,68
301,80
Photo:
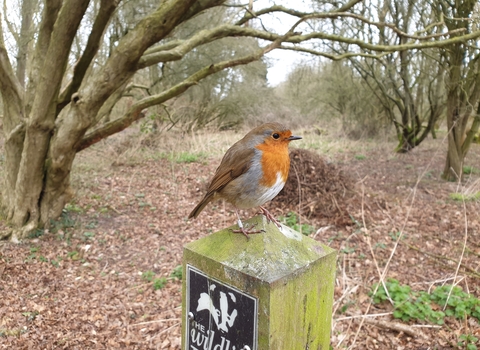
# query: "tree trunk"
458,147
13,127
42,142
463,95
453,170
463,91
40,123
28,7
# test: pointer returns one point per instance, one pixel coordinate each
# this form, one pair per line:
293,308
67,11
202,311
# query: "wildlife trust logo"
222,318
219,316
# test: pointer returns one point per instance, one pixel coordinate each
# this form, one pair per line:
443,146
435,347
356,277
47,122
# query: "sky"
281,62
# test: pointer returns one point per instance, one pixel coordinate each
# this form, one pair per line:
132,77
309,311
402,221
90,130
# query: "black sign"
219,316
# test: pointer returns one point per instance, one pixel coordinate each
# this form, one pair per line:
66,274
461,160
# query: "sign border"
187,302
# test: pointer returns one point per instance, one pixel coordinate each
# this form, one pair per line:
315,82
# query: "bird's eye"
275,136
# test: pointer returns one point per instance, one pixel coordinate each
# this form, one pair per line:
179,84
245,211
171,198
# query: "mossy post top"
268,256
273,291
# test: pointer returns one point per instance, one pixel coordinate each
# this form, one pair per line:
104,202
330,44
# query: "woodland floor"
88,282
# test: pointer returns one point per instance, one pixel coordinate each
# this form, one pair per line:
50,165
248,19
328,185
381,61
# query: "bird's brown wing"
234,163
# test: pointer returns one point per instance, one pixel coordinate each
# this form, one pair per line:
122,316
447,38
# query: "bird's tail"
207,199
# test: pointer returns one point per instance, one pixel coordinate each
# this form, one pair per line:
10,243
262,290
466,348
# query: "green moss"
269,256
291,275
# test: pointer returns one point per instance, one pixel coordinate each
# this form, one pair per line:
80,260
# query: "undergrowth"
461,197
444,301
291,220
160,282
157,282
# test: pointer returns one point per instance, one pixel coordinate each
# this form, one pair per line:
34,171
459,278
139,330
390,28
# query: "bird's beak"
291,138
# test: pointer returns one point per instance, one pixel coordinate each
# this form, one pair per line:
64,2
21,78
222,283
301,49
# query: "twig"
299,198
461,256
376,265
441,257
399,327
468,250
106,264
155,321
410,207
321,230
425,326
344,295
131,179
359,316
167,329
114,209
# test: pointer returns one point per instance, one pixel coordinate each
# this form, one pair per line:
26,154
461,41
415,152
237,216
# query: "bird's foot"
270,217
247,231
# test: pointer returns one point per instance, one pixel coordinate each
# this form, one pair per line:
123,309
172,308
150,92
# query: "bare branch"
388,48
276,8
49,17
331,56
56,57
399,327
123,63
135,112
107,7
11,26
111,101
279,8
382,24
8,79
176,50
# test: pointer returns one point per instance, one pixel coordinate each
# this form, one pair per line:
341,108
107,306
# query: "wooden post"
271,292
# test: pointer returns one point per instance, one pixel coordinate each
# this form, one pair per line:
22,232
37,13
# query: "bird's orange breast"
274,160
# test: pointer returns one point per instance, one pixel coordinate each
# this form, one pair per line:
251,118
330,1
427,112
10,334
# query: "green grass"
157,282
360,157
148,276
347,250
291,220
467,341
177,272
467,169
187,157
73,208
89,234
422,306
74,255
465,197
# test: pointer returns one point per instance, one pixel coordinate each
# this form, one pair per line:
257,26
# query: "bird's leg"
242,228
270,217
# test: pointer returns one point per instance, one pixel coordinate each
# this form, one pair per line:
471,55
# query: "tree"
58,111
403,86
408,68
463,86
331,90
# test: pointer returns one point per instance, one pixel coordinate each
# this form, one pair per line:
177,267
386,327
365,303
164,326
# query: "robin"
252,172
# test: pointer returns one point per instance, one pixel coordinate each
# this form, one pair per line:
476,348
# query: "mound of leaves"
320,189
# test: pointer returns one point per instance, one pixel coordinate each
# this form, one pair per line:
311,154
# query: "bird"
252,172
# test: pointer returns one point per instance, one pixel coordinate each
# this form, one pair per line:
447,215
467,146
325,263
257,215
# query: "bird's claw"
249,231
270,217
